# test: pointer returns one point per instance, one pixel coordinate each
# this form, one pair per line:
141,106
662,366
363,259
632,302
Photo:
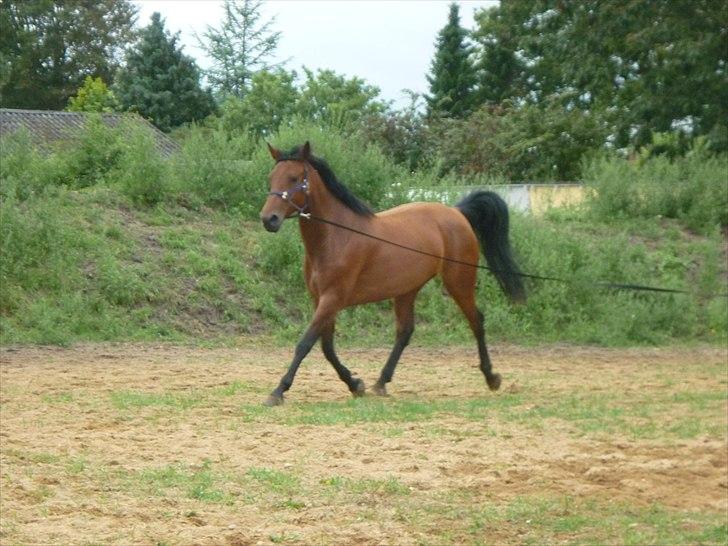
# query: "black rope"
612,285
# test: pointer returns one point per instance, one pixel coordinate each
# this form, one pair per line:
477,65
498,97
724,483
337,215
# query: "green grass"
590,414
201,483
134,248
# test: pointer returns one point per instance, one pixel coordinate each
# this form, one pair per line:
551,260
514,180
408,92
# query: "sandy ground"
75,460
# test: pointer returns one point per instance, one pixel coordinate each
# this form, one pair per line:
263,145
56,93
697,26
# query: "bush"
24,171
519,143
693,189
140,171
210,169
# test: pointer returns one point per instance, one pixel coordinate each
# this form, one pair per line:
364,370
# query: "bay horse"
345,267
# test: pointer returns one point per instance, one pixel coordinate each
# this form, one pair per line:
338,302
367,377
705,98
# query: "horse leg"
355,384
324,314
404,309
460,283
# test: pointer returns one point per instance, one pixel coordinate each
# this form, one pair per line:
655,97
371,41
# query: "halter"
286,195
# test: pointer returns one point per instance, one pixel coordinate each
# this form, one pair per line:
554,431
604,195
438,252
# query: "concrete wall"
533,199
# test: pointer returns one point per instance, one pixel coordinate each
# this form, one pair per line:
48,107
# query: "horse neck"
323,239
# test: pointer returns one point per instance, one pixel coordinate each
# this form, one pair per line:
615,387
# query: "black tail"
488,215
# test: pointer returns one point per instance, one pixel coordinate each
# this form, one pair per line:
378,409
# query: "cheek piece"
287,196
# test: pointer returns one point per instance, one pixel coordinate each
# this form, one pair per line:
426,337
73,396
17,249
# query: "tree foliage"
48,48
272,99
242,46
530,142
332,98
652,65
160,82
93,96
452,75
324,96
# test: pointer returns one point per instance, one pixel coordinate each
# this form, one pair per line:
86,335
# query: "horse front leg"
355,384
325,313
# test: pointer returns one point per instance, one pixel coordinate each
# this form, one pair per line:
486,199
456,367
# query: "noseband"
286,195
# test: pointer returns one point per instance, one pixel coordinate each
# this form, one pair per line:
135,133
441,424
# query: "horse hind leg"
404,309
355,384
460,283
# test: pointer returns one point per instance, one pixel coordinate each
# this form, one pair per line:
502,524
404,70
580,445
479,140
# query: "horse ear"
274,152
306,151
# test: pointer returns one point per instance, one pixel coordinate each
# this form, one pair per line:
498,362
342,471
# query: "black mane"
337,189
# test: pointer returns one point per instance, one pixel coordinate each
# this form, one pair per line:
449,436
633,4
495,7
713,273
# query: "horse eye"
292,179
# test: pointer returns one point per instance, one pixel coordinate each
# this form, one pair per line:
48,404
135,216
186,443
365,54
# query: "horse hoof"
379,390
273,400
494,382
359,389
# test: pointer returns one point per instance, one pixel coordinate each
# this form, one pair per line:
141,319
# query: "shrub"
693,189
140,171
210,169
24,171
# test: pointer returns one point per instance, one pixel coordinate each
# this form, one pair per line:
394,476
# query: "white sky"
389,43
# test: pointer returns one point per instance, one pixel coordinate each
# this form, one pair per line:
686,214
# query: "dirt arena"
158,444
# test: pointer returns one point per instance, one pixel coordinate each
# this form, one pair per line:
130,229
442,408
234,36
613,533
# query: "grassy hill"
87,264
107,241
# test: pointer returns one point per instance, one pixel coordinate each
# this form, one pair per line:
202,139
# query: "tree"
240,47
332,98
160,82
528,142
500,72
652,65
398,132
452,75
93,96
271,100
47,48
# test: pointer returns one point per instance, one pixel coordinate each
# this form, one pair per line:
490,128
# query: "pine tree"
452,78
160,82
239,48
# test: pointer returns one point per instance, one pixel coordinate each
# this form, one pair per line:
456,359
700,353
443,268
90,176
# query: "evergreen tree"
48,48
500,72
240,47
160,82
452,78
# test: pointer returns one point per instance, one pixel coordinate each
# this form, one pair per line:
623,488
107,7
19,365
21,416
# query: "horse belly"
387,277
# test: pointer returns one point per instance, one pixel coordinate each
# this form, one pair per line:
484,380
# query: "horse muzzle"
272,222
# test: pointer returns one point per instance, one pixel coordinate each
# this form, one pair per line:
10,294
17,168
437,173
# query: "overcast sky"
389,43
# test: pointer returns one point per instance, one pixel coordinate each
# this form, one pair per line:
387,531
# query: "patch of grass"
458,517
200,482
39,457
58,398
274,480
235,387
76,465
371,409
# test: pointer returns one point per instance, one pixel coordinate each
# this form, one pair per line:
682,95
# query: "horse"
348,261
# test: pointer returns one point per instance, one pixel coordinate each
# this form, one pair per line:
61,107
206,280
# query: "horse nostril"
272,222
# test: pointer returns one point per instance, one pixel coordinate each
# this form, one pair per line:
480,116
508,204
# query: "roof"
50,126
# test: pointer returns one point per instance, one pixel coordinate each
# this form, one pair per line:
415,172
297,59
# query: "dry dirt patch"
158,444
